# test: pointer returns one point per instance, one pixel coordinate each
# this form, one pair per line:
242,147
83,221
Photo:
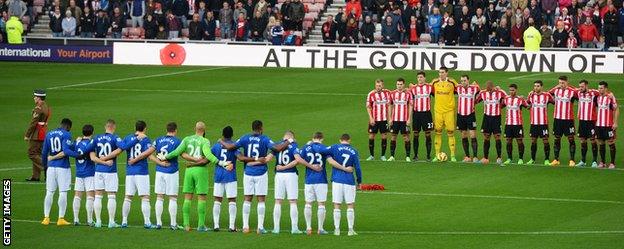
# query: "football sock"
534,150
337,219
350,218
384,144
277,214
260,210
216,213
97,208
294,216
246,211
392,147
158,208
603,152
89,206
486,148
307,213
521,149
451,143
415,145
173,211
201,213
76,208
547,150
320,213
572,147
371,146
408,147
499,148
509,149
111,205
186,213
438,142
146,209
557,147
465,146
475,146
125,210
47,203
594,149
62,203
428,145
232,213
612,151
583,151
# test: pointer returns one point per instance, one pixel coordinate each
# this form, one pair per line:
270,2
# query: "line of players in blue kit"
96,175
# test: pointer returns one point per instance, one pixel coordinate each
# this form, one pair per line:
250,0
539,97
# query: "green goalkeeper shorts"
196,181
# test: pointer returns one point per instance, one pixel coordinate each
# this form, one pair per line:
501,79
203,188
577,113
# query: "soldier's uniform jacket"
39,123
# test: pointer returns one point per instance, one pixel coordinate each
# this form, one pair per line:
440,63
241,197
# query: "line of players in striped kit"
96,175
393,110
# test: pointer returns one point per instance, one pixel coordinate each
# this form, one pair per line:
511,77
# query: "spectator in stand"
548,9
412,32
547,39
201,9
328,30
150,26
17,8
353,6
267,31
240,33
296,14
509,16
367,7
98,5
285,9
179,8
102,23
238,8
450,33
621,14
368,30
446,7
249,7
517,31
492,16
477,18
137,11
56,22
610,28
14,29
434,25
4,18
118,22
258,25
588,32
261,6
389,31
162,33
341,28
226,15
464,16
503,34
532,37
564,4
480,36
566,19
69,25
427,8
571,42
493,39
209,25
519,4
173,25
536,12
502,6
76,12
196,31
465,35
87,23
277,33
560,36
381,6
3,8
352,31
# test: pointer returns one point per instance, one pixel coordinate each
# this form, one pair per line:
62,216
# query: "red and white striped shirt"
400,101
466,99
563,102
378,102
422,97
587,105
606,106
491,101
514,109
539,107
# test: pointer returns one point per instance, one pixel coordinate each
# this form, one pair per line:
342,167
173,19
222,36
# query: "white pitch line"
578,232
218,92
135,78
11,169
523,198
529,75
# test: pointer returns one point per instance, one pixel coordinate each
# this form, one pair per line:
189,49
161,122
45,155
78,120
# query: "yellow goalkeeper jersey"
444,95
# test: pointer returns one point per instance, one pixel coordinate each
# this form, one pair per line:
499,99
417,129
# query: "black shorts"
604,133
468,122
399,127
539,131
422,121
379,126
586,129
491,124
514,131
563,127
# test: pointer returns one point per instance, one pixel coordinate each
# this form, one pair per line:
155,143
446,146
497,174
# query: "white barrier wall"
366,58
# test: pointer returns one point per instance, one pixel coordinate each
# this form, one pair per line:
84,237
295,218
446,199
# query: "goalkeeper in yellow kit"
444,111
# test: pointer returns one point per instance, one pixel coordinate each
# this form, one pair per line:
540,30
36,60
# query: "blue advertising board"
55,53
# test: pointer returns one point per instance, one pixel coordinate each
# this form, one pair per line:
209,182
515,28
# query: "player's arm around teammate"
286,184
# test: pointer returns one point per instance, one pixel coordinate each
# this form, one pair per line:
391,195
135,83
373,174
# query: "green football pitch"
445,205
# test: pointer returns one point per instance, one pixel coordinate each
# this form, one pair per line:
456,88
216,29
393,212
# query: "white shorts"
229,188
58,178
84,183
137,183
256,185
343,192
167,183
316,192
286,184
106,181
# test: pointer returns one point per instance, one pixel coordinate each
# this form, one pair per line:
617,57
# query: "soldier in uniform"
35,133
